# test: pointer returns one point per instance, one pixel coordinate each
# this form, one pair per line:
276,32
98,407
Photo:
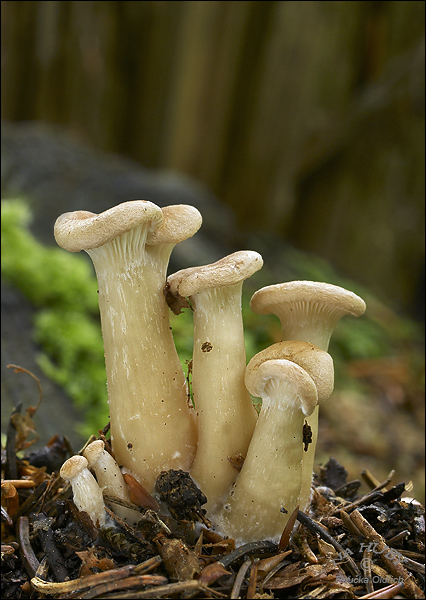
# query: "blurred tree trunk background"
307,118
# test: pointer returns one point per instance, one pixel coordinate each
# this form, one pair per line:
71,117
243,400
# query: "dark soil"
348,545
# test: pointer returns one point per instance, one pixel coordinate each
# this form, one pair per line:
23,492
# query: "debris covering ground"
350,545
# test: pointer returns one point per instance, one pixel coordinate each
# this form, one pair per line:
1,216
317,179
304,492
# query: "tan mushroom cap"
73,466
258,376
84,230
180,222
230,270
316,362
337,298
93,451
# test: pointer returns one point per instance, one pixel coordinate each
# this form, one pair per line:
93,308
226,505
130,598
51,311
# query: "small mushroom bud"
87,494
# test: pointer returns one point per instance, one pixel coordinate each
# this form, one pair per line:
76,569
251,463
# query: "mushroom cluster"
154,427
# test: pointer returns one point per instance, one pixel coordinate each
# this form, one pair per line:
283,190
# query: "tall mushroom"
226,416
267,489
308,311
152,426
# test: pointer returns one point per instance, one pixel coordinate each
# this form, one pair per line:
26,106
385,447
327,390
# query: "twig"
399,536
285,537
305,548
20,483
369,479
389,556
251,548
82,583
316,528
366,567
387,592
236,588
32,499
28,557
18,369
128,582
350,525
50,549
251,588
370,497
189,588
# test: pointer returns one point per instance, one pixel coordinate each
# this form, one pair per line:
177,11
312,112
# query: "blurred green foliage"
63,287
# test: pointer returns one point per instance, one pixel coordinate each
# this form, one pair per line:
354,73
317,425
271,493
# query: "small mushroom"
267,489
316,362
87,494
226,416
308,311
152,427
110,479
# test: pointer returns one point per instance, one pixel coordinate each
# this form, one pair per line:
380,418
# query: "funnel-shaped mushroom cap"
84,230
308,310
230,270
317,363
180,222
260,379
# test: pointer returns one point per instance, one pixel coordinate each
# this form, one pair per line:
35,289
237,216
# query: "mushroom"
87,494
152,426
267,489
308,311
110,479
316,362
226,416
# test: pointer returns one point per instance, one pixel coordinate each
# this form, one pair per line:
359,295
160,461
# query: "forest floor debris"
348,545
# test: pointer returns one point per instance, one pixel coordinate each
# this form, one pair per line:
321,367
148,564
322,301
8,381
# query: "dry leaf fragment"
180,562
92,563
212,573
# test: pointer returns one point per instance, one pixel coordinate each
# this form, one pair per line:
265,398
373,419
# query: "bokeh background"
299,126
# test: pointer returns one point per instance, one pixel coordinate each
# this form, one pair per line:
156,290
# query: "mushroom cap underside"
304,391
309,292
316,362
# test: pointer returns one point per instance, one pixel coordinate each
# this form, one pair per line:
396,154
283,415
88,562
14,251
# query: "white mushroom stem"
152,426
226,416
87,494
308,311
110,479
267,489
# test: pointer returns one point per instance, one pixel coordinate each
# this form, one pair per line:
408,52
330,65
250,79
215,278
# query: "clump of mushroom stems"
152,426
110,479
87,495
225,412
